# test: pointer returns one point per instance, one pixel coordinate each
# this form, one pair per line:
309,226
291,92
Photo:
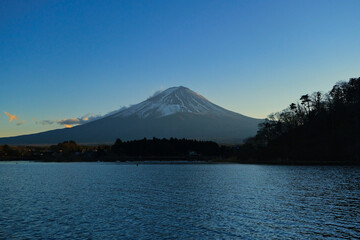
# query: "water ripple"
222,201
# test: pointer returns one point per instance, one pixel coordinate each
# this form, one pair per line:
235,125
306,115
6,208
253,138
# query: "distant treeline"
321,128
65,151
145,149
165,147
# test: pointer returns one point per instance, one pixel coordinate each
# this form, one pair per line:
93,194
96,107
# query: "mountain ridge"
175,112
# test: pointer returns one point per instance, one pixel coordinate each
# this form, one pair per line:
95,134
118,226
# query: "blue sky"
77,59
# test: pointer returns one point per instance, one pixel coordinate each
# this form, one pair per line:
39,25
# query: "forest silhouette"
320,128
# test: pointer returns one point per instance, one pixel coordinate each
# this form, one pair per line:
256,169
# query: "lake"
183,201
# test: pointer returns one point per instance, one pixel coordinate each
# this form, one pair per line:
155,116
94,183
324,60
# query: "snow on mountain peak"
171,101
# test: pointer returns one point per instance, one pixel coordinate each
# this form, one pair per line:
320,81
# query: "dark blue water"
204,201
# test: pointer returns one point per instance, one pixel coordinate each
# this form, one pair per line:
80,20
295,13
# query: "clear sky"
78,59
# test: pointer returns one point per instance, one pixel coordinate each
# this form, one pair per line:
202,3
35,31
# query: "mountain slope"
176,112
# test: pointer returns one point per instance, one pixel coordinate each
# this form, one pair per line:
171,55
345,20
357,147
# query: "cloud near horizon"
45,122
20,123
70,122
11,117
79,120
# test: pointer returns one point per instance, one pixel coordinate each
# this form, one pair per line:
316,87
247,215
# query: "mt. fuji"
176,112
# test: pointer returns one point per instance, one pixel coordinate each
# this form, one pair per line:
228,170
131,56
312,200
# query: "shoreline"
195,162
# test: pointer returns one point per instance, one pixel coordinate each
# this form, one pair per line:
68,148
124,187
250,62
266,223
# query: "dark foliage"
67,147
319,129
8,151
165,147
155,149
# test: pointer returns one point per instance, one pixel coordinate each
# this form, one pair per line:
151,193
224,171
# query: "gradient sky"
77,59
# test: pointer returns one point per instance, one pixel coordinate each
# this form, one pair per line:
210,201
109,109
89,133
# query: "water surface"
200,201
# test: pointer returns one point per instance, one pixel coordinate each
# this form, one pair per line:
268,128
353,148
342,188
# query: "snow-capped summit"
172,100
